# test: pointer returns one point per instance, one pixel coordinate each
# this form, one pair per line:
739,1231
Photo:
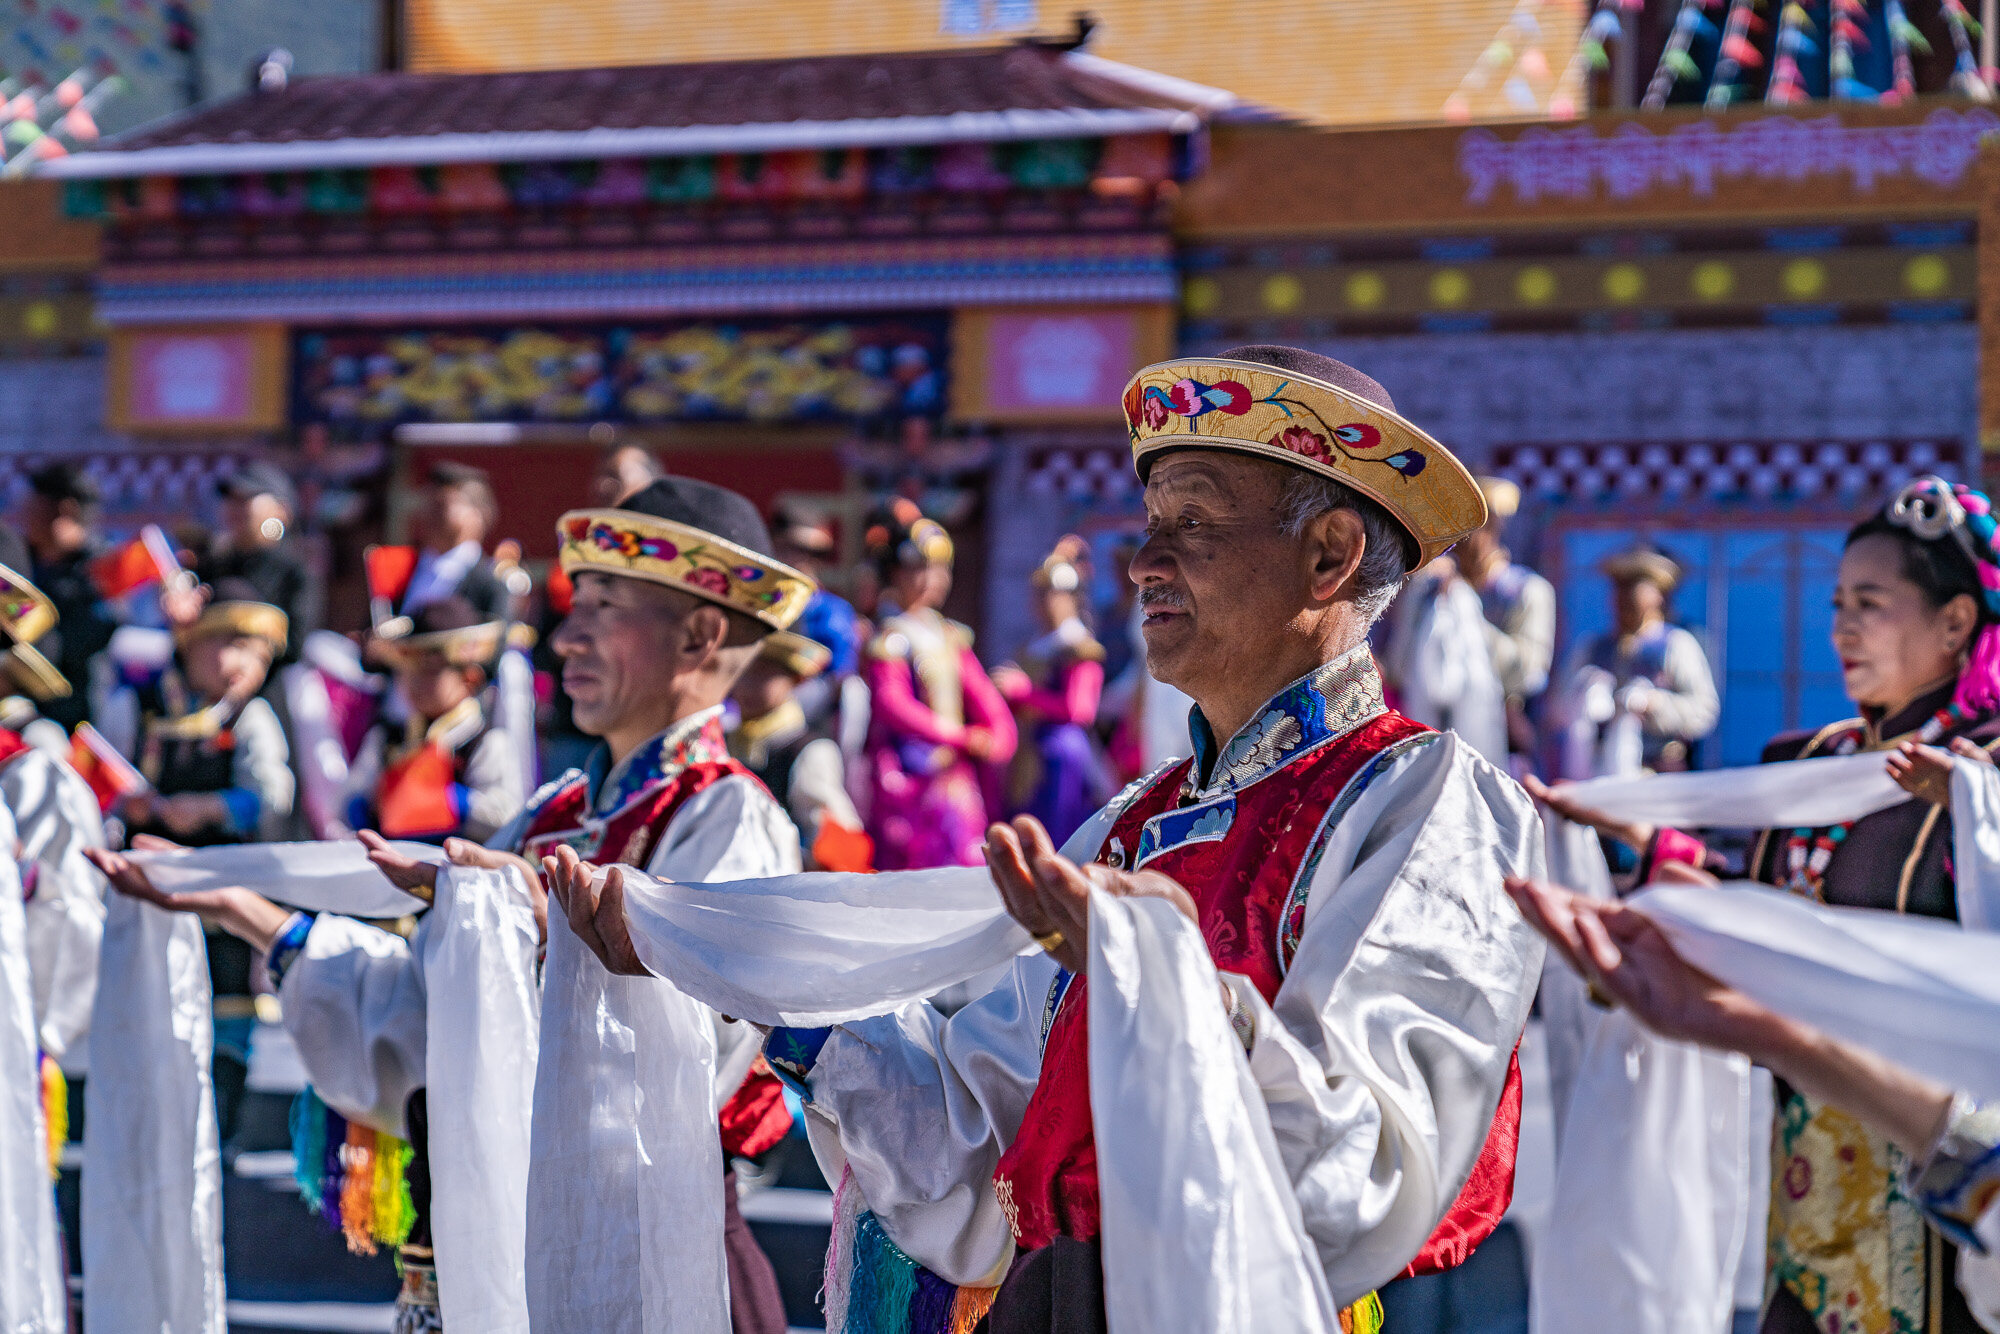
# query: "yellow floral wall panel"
1344,62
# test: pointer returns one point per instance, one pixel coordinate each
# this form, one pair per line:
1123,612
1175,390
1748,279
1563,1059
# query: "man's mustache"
1151,598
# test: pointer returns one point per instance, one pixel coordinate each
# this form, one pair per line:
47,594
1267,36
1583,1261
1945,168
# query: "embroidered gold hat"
802,657
702,539
1311,412
1644,564
239,618
451,629
26,614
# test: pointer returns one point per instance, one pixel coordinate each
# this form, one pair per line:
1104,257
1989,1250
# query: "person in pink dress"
936,718
1060,777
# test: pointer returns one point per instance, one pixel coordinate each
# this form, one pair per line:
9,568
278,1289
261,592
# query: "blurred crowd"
195,674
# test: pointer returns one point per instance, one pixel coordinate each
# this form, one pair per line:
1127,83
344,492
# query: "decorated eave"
1018,174
1000,95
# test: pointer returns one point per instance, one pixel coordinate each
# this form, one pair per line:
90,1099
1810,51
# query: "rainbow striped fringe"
55,1111
873,1288
352,1176
1364,1317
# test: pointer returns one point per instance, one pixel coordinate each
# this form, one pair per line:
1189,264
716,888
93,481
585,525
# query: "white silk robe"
357,1004
57,818
1378,1068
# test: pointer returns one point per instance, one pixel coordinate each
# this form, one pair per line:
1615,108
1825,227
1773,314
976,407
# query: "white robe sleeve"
920,1106
58,818
354,1004
495,776
819,789
1524,644
263,764
1685,705
1384,1057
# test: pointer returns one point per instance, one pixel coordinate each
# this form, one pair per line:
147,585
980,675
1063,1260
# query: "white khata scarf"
816,950
1650,1242
33,1299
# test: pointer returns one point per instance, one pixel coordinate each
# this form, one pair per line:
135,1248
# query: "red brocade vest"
755,1119
1249,883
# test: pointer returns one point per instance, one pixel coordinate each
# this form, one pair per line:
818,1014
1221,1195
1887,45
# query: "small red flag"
561,592
110,775
415,798
146,560
839,848
389,571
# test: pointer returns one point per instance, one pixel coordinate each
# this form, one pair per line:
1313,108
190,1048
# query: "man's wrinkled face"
620,649
1218,580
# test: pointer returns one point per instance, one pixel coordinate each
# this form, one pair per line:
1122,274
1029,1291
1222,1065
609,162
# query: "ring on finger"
1050,941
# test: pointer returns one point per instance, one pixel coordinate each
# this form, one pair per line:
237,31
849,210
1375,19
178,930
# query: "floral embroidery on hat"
1193,399
1303,441
1360,435
709,580
665,552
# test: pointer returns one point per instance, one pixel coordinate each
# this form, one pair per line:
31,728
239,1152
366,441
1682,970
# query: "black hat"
60,481
260,479
704,505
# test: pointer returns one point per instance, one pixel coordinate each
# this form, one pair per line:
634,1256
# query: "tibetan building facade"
874,275
1727,331
1725,309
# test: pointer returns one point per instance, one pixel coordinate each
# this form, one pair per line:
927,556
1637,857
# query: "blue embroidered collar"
612,788
1324,704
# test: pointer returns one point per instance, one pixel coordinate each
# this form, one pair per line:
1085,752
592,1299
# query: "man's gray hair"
1384,562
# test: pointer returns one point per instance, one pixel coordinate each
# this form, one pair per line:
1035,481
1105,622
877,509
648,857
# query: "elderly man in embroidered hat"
444,1039
1344,869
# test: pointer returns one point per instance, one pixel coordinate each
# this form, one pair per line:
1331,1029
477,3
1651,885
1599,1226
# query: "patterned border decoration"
1059,270
1837,473
1083,475
1834,473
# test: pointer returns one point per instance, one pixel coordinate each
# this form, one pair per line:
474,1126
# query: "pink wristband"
1672,845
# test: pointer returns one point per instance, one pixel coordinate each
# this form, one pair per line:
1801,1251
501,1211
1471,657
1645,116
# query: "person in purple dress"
1055,691
936,719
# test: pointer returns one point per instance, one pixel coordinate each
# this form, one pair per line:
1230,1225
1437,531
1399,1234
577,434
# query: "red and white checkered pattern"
1642,473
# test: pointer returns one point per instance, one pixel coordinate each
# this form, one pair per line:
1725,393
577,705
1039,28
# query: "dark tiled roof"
723,93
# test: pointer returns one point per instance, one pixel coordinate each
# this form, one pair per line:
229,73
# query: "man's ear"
1336,544
703,632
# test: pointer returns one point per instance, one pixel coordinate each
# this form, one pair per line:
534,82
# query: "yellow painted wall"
1337,61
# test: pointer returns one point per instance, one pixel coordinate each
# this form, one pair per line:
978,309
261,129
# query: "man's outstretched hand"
596,914
464,852
1049,894
403,871
243,913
